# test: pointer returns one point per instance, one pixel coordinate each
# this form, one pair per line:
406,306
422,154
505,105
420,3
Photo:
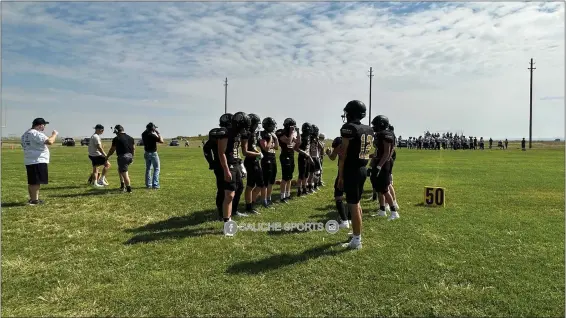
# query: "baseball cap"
150,126
118,128
98,126
39,121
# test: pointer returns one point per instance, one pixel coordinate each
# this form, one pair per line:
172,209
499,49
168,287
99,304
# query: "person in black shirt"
269,143
337,152
382,165
356,142
124,146
210,149
289,141
523,144
252,164
230,169
304,161
150,139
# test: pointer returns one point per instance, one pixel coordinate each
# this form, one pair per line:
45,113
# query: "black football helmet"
226,120
391,128
241,122
306,128
315,131
379,123
354,110
254,121
269,124
289,122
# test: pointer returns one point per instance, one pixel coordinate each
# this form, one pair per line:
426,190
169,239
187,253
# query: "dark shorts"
97,160
337,192
381,182
304,167
236,182
354,180
124,162
37,173
269,169
287,166
255,174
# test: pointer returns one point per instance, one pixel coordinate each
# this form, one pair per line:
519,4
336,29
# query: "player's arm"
345,143
112,149
245,151
99,147
386,153
335,152
133,148
275,141
222,143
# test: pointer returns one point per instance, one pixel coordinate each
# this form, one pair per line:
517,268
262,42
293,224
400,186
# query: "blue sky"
438,66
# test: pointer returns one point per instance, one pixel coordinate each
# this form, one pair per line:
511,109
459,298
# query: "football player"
230,171
252,163
315,155
381,169
304,160
210,149
288,140
338,193
321,139
269,143
352,173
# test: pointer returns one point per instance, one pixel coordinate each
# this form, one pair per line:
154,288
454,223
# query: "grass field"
496,249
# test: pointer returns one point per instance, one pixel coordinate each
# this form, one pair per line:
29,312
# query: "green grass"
496,249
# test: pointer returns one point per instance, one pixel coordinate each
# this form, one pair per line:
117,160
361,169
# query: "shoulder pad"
348,131
336,142
219,133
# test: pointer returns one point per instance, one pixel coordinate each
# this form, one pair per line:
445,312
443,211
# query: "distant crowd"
436,141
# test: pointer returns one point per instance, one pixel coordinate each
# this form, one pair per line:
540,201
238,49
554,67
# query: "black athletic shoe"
35,202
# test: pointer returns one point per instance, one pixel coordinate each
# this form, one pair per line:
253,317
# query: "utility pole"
370,76
531,107
226,95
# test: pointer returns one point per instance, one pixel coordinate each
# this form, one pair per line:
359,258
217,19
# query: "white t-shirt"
92,149
35,149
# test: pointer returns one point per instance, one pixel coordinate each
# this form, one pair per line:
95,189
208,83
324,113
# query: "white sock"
357,237
395,204
288,194
282,196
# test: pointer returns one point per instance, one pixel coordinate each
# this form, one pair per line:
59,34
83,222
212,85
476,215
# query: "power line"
531,107
226,95
370,77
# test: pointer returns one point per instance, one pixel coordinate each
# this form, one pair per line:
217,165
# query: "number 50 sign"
434,196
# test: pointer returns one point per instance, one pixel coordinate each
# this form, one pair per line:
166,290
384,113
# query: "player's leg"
239,189
301,178
353,187
285,173
340,207
105,168
251,184
271,181
219,191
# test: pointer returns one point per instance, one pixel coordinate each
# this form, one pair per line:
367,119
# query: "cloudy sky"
438,66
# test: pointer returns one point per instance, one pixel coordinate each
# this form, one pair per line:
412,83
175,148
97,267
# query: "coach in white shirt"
36,157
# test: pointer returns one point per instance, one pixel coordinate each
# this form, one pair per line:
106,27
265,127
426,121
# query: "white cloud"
446,66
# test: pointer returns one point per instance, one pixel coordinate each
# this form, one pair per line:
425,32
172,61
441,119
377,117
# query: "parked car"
85,141
402,144
174,142
69,142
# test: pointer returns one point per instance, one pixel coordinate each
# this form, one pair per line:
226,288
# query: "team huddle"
240,133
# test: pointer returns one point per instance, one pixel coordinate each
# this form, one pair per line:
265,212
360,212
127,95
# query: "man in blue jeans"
150,139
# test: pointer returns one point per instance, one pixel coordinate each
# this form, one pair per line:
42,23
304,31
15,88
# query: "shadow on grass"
420,204
48,188
178,222
13,204
278,261
169,235
89,193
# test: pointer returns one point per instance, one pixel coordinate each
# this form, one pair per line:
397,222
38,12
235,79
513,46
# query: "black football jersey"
286,148
252,140
314,147
233,145
360,143
305,144
270,153
384,137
